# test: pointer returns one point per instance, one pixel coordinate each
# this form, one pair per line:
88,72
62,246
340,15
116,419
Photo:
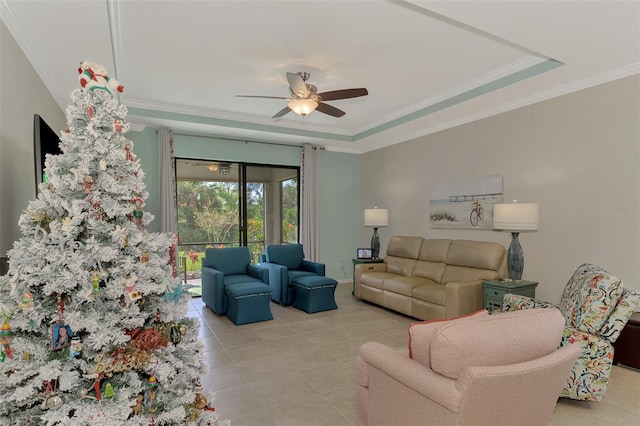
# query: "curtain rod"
320,147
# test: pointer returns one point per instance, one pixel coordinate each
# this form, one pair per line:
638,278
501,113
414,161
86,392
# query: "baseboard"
344,281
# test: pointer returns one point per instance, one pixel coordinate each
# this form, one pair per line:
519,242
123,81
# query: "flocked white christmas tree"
86,267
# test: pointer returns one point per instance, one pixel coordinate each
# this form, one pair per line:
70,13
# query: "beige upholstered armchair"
596,307
482,369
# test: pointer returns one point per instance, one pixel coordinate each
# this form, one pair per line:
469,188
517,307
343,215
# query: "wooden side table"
356,262
494,291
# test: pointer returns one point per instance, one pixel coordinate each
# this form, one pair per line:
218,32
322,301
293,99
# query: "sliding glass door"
225,204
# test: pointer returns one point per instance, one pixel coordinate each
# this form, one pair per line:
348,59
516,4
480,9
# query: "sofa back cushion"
400,265
402,246
289,255
589,298
229,260
476,254
431,258
493,340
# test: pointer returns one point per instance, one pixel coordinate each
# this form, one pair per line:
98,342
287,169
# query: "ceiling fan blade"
342,94
297,85
262,97
282,112
329,110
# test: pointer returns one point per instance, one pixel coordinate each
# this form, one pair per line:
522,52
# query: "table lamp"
375,218
515,218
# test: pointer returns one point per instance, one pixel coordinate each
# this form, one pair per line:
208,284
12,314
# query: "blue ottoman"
314,293
248,302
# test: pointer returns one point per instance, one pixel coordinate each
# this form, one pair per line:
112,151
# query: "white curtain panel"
168,210
309,231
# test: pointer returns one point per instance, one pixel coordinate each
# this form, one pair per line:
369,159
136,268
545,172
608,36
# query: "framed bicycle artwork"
465,204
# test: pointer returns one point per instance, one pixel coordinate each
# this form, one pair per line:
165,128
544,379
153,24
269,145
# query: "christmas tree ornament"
54,402
95,283
26,302
103,165
144,257
137,408
87,184
5,332
108,390
76,347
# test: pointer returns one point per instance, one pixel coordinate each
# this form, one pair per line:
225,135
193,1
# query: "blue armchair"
225,266
284,264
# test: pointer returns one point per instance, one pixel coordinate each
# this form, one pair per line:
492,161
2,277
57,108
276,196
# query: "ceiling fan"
304,97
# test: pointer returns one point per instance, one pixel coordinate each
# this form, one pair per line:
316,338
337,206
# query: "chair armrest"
315,267
277,279
256,271
412,374
516,302
463,297
213,290
627,304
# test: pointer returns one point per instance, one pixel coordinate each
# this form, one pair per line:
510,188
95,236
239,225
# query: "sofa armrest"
361,268
315,267
213,290
278,280
412,375
464,297
516,302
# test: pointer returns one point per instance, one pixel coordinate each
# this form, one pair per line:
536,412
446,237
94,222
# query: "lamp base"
375,244
515,258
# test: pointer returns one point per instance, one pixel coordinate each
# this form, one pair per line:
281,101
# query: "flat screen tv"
45,141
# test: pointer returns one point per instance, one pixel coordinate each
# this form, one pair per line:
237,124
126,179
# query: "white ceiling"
428,65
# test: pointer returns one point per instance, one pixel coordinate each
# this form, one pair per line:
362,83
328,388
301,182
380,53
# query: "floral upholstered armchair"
596,307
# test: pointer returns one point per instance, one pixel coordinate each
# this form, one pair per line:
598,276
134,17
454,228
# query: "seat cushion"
242,278
589,298
289,255
500,339
247,289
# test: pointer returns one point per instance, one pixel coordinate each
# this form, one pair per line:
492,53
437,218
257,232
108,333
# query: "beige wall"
22,94
577,155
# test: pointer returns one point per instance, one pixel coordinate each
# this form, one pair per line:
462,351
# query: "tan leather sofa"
431,278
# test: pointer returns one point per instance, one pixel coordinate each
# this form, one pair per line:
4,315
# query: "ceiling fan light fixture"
303,106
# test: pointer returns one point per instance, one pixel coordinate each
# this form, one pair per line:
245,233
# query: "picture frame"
61,335
364,253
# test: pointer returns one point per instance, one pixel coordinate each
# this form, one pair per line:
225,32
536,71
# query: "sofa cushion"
461,274
375,279
589,298
400,265
431,292
402,246
404,285
434,250
289,255
420,334
500,339
475,254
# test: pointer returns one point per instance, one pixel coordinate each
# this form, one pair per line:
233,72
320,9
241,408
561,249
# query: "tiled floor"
298,369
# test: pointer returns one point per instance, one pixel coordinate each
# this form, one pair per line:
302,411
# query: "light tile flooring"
298,369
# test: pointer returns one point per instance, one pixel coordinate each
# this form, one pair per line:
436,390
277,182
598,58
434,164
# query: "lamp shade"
515,217
376,217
